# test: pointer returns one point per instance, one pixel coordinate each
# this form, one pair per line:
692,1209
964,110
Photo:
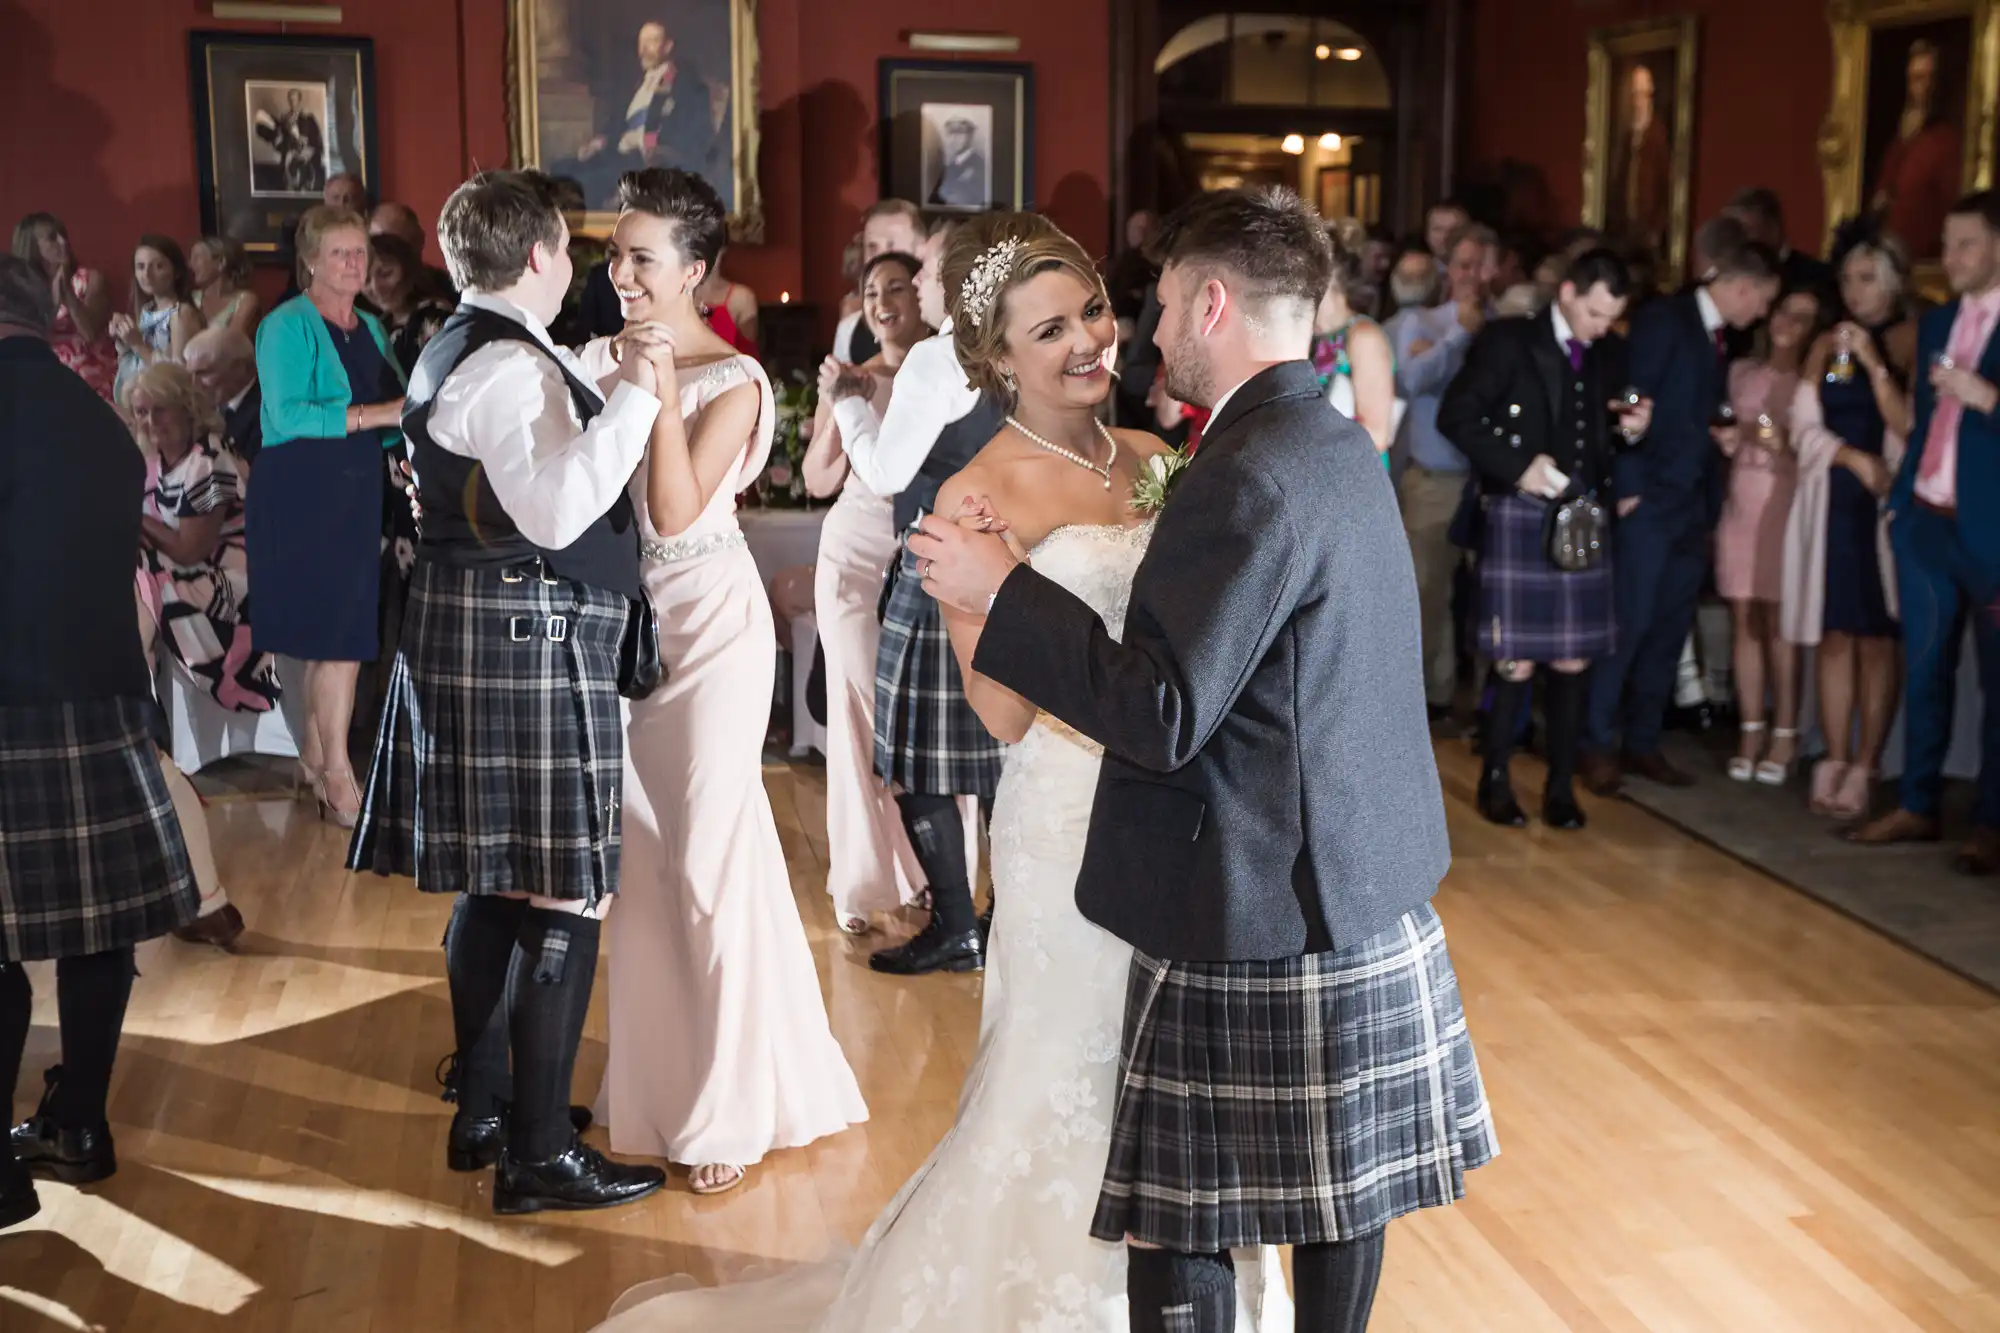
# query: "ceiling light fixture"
1348,53
1294,144
1323,51
1330,142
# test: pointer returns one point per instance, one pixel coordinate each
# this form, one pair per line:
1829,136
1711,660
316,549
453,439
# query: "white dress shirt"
1711,316
509,408
931,392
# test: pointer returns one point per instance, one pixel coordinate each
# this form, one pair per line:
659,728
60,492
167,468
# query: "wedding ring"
924,570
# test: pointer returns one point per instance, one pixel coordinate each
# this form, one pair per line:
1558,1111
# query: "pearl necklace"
1072,455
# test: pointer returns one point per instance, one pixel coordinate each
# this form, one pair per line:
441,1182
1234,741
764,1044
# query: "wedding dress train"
991,1235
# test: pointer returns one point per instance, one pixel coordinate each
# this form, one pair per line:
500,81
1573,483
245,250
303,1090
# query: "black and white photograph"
288,148
275,117
603,87
958,155
958,136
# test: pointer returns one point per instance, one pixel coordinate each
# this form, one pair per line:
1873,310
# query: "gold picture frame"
557,78
1644,197
1973,72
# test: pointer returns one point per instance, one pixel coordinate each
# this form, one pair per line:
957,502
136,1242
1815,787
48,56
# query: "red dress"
723,324
96,362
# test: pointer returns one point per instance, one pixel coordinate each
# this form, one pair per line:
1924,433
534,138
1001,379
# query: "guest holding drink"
1853,415
1750,539
333,395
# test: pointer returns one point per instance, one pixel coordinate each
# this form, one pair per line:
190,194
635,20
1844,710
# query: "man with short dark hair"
1669,497
500,758
1945,527
1533,411
1763,217
92,859
1268,830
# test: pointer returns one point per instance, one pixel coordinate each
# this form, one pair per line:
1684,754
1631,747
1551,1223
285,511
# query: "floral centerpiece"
783,484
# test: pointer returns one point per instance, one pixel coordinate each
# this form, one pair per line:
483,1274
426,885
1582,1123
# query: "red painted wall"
95,98
1764,77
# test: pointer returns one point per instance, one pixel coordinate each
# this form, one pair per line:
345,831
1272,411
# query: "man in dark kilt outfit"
498,767
91,856
1268,829
930,747
1532,409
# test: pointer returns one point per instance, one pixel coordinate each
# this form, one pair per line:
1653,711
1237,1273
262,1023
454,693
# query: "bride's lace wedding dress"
992,1234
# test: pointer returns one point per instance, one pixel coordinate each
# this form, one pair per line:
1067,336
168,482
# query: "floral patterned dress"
96,362
204,608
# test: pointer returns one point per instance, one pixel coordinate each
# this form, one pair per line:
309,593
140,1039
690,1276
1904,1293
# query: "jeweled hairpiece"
988,277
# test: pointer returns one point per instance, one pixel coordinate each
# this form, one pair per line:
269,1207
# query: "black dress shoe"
1562,812
476,1140
1496,800
18,1200
933,951
578,1179
73,1156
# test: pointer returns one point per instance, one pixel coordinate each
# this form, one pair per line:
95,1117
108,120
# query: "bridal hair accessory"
989,274
1156,479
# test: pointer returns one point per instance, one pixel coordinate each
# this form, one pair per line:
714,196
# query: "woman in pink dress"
81,333
720,1047
1750,539
870,866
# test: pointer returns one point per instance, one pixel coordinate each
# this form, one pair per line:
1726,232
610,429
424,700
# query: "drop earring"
1012,385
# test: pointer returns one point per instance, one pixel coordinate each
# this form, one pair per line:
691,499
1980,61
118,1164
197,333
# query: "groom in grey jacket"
1268,829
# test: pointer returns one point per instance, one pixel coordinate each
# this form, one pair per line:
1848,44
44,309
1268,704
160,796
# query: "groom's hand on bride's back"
962,566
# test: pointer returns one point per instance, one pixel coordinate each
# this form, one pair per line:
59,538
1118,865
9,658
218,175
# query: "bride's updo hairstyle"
984,260
699,217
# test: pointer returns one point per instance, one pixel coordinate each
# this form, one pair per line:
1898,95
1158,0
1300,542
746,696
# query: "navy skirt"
1530,611
313,523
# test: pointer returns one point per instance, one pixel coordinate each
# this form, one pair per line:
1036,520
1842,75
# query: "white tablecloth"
783,539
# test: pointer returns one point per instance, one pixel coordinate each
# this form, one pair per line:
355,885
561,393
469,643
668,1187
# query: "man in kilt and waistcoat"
498,767
929,744
1533,411
91,856
1268,830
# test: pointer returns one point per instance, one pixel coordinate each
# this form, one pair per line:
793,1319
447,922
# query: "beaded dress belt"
692,548
1069,733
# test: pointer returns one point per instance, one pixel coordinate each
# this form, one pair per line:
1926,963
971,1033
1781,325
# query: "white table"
781,540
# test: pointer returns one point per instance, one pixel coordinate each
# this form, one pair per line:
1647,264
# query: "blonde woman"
220,270
333,395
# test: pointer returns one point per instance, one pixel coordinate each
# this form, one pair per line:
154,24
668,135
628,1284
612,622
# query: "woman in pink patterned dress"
1750,539
81,334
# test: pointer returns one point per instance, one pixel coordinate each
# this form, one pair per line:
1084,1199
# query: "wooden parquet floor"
1722,1107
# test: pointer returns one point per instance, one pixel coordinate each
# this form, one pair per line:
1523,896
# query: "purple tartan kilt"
1530,611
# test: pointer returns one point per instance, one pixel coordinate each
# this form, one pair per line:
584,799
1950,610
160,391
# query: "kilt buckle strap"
520,629
519,573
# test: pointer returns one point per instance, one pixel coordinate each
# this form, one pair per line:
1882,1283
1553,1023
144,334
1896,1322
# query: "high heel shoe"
1742,768
332,811
308,778
1771,772
1827,776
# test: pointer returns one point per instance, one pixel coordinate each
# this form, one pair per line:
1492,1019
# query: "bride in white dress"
992,1234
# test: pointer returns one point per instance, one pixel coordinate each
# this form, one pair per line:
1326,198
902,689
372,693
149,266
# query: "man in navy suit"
1945,528
1670,494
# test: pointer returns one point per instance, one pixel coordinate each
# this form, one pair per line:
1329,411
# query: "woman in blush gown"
992,1235
720,1047
870,866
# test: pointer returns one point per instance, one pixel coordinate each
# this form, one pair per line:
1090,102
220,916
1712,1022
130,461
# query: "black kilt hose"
1530,611
91,854
927,738
1294,1102
500,760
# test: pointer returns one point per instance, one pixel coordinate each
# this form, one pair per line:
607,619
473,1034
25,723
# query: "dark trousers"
1940,587
1663,558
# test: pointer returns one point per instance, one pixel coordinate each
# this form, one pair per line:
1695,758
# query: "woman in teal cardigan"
313,517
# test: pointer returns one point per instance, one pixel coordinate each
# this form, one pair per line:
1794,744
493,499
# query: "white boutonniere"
1157,479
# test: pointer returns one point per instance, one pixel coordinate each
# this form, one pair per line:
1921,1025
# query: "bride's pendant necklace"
1071,454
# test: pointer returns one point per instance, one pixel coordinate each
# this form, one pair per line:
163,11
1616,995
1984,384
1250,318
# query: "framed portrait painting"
1911,125
1638,145
275,116
958,136
597,88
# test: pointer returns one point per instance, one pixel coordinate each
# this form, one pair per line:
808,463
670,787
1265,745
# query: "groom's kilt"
927,738
1294,1102
1530,611
91,853
499,764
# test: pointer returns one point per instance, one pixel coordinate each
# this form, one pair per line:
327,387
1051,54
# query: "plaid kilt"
499,763
1530,611
1293,1102
927,738
91,854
